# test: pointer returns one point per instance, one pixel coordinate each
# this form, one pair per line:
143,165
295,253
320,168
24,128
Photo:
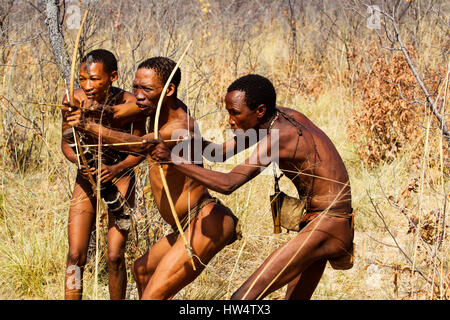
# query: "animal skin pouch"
287,212
292,212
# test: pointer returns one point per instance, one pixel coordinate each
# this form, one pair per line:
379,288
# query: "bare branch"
430,104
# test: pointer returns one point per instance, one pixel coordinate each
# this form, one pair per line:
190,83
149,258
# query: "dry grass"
389,198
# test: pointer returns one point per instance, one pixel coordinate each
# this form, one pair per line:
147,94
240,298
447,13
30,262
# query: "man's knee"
76,258
114,260
140,273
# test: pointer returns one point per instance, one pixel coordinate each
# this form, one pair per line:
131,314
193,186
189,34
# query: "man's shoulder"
295,119
174,129
121,96
297,115
184,120
294,122
177,124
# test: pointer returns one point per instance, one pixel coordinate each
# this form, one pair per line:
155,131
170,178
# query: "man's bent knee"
140,273
76,258
115,260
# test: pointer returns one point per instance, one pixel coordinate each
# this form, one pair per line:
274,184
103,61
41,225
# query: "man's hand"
96,110
109,172
158,150
75,118
91,105
84,171
69,106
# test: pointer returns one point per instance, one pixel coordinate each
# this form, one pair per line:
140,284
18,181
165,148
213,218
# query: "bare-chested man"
208,225
309,159
98,71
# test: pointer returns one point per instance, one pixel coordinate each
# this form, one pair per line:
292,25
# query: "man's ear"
261,111
170,90
113,76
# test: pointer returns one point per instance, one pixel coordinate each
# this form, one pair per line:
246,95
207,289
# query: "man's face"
94,81
147,89
241,117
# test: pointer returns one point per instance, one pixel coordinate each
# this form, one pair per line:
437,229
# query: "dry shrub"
431,225
392,109
426,230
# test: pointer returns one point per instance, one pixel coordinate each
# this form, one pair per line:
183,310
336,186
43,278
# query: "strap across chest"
299,128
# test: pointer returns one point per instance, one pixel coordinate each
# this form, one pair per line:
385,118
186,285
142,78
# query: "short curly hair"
163,68
106,57
258,90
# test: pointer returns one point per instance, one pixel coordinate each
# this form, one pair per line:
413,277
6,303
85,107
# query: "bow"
80,154
72,87
161,172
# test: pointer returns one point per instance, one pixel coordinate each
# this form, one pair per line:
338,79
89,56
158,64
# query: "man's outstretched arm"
126,112
225,183
109,136
217,181
222,152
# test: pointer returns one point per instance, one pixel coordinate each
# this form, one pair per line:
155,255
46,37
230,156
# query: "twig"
431,105
381,216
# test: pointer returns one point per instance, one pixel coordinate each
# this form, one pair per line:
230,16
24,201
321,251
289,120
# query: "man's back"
312,162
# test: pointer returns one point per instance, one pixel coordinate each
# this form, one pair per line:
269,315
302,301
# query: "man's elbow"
67,135
228,188
117,114
127,114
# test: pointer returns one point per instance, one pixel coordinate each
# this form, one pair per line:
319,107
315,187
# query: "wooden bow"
161,172
72,88
80,154
95,186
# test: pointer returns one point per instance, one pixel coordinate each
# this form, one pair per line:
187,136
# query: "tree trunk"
56,38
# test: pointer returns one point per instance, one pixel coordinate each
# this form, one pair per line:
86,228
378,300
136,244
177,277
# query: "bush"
392,111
